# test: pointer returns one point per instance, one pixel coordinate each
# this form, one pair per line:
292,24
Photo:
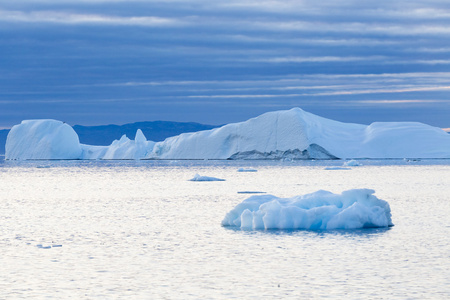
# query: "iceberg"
297,134
129,149
322,210
352,163
285,135
198,177
42,139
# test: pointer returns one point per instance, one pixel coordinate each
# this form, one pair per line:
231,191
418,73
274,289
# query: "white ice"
247,170
42,139
296,134
352,209
198,177
352,163
287,135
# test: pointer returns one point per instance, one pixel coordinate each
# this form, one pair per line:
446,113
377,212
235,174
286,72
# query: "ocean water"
142,230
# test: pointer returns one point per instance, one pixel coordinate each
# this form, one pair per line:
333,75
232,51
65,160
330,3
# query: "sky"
94,62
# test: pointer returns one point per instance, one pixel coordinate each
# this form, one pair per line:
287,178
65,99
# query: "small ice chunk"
251,192
411,160
352,163
321,210
336,168
198,177
247,170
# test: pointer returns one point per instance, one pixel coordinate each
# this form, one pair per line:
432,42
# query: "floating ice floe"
247,170
336,168
411,160
198,177
352,209
43,246
352,163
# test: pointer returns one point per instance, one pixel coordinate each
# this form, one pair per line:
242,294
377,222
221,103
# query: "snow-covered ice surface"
291,134
140,230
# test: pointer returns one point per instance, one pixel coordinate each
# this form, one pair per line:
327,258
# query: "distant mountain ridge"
154,131
104,135
3,135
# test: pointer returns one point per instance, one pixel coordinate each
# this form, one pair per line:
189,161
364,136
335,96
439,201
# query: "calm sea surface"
141,230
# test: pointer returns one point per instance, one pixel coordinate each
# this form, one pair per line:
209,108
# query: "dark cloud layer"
99,62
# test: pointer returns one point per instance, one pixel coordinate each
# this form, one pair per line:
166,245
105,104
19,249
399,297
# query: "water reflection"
361,232
140,230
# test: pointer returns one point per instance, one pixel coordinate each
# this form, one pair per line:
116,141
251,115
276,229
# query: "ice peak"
140,137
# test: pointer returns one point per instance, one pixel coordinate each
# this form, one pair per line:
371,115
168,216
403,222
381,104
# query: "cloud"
384,91
380,9
246,96
306,79
384,102
366,28
319,59
140,54
208,16
423,13
431,50
324,41
433,61
77,18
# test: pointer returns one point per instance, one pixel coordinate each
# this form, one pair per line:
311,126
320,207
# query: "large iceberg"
321,210
42,139
290,134
297,134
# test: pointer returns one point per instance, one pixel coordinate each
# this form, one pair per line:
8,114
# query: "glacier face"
312,152
291,134
275,131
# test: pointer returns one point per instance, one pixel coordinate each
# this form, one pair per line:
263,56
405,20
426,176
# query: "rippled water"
141,230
